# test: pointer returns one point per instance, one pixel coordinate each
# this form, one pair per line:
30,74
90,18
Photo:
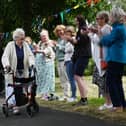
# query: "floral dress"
45,77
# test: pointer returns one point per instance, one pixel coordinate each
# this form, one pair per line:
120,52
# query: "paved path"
48,117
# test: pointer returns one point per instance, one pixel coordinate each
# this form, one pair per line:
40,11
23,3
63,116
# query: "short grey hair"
103,14
117,14
18,33
44,32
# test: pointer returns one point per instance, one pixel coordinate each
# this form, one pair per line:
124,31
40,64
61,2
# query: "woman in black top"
80,58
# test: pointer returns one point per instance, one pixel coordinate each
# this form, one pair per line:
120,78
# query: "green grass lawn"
91,109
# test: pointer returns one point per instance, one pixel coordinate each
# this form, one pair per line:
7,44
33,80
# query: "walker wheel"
5,110
36,108
29,111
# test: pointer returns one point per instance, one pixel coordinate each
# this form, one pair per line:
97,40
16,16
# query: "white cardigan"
48,50
96,52
106,29
9,57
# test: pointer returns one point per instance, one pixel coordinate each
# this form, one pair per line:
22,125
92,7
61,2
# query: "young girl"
69,49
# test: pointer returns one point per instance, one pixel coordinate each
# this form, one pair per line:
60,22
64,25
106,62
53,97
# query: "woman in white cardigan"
99,54
17,56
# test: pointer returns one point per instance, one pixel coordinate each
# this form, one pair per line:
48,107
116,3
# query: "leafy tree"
21,13
119,3
88,10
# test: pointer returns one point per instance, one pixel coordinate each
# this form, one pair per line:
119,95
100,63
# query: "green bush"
89,69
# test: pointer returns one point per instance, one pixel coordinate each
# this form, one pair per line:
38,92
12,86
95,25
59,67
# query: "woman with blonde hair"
60,53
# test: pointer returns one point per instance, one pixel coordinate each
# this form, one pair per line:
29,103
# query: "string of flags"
39,21
4,36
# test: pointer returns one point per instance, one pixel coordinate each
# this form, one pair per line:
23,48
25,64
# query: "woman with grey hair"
99,54
116,58
44,60
17,56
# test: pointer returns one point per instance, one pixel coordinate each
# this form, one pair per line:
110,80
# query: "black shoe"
52,97
29,111
81,103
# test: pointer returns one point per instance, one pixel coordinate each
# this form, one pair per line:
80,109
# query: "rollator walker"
24,91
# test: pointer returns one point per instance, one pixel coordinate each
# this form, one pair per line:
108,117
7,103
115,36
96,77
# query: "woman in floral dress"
44,60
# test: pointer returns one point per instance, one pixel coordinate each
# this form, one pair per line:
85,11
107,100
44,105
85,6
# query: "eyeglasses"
22,39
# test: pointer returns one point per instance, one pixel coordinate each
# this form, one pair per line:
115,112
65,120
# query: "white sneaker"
105,106
64,98
71,99
38,96
16,110
44,98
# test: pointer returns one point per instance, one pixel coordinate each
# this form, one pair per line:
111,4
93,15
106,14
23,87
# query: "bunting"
89,2
39,22
77,6
62,16
96,1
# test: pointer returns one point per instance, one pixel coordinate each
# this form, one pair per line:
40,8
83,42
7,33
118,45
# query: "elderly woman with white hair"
17,56
116,58
44,60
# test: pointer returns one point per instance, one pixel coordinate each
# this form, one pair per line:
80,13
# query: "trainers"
81,103
38,96
16,111
105,106
72,99
44,98
64,98
116,109
52,97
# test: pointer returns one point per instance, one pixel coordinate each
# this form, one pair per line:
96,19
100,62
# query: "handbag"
103,64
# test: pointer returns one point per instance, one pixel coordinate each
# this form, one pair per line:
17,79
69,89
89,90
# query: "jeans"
70,74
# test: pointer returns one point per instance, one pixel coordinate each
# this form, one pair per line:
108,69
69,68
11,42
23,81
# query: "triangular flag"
62,17
75,7
68,10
